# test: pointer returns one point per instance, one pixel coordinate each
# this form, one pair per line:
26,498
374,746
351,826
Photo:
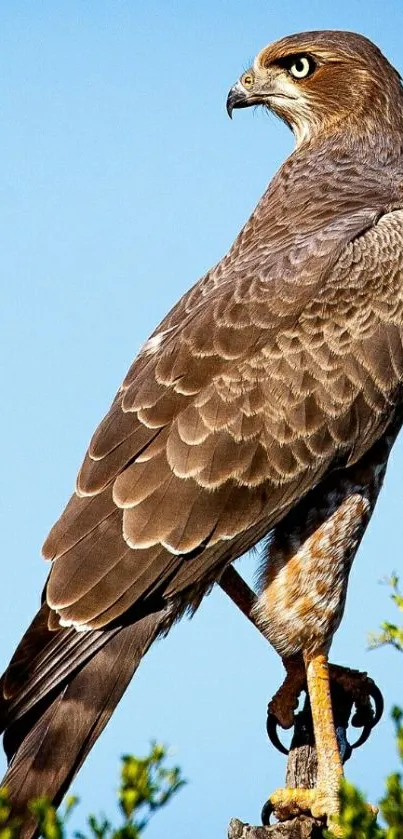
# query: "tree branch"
301,828
301,772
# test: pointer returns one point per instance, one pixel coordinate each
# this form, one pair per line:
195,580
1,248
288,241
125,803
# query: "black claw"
347,752
376,695
374,715
271,727
366,731
267,810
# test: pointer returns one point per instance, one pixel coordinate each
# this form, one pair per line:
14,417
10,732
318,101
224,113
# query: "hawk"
264,405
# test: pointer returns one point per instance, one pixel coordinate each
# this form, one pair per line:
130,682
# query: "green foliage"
146,785
390,633
8,827
51,824
356,820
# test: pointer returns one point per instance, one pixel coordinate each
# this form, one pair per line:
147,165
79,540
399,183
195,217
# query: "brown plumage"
266,402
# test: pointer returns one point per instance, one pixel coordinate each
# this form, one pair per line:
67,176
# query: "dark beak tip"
229,108
232,98
237,98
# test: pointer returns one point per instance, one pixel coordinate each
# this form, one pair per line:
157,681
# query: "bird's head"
316,81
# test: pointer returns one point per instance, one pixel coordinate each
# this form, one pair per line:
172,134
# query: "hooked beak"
239,97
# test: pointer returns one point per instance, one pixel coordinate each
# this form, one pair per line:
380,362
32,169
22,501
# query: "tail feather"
50,742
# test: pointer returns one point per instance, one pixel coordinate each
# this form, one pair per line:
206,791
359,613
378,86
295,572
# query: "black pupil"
299,65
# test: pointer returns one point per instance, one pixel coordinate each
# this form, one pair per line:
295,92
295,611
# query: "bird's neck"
357,156
326,180
371,125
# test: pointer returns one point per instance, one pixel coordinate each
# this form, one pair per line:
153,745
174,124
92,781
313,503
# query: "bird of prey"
264,405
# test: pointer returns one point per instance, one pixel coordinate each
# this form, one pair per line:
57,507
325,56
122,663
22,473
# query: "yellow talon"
287,803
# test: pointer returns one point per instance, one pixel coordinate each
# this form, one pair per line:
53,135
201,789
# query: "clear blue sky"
121,181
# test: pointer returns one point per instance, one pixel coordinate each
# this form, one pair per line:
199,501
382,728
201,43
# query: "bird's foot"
286,803
285,701
353,688
322,804
363,693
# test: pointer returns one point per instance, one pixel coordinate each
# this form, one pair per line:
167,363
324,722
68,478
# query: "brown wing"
263,378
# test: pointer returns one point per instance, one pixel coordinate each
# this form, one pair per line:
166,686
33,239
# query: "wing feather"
285,362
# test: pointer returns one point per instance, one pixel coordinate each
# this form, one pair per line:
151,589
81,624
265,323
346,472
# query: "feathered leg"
304,586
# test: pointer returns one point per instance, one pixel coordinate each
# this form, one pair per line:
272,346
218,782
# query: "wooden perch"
301,772
301,828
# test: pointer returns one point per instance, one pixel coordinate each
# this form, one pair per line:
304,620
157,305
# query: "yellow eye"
247,80
301,67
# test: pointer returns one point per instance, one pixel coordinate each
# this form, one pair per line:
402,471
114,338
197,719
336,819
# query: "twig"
241,594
